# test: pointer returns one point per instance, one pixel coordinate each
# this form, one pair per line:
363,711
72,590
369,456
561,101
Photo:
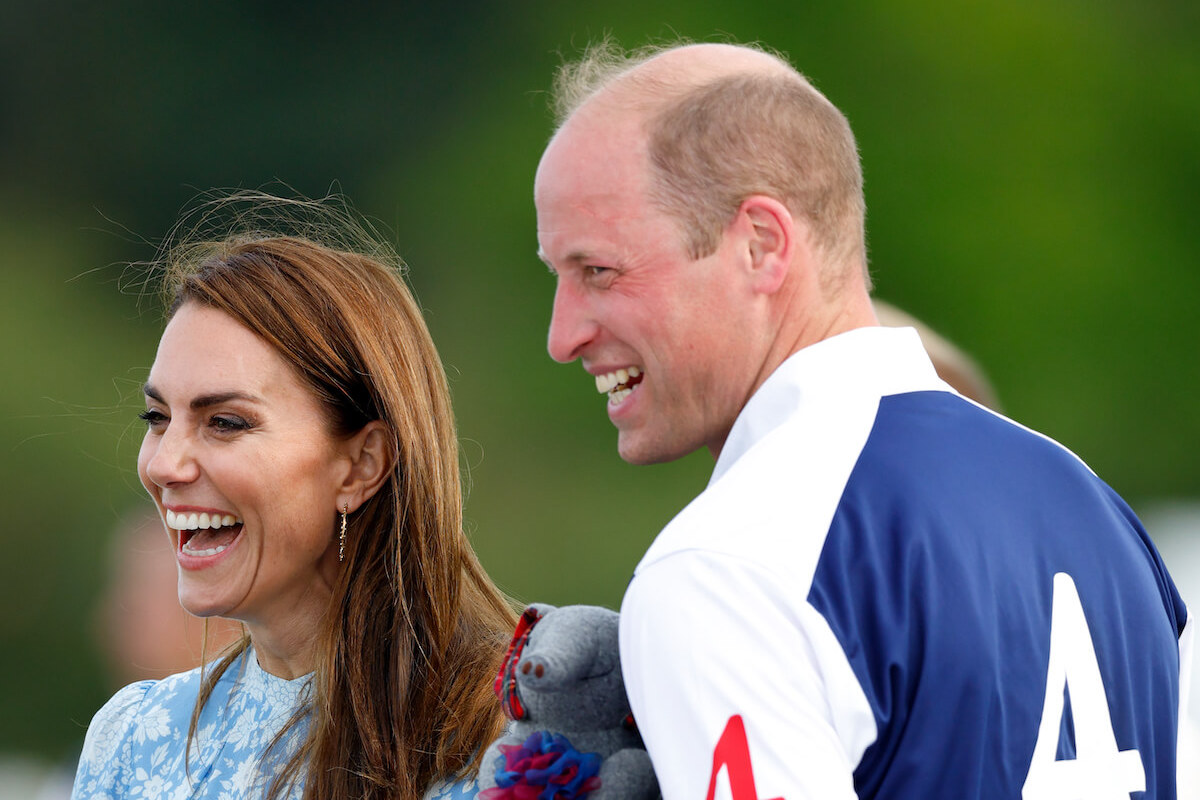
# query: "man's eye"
596,272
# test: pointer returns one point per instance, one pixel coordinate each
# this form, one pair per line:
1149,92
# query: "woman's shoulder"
452,789
111,724
107,747
142,713
133,700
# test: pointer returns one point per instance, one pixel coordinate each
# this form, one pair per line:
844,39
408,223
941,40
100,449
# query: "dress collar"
257,680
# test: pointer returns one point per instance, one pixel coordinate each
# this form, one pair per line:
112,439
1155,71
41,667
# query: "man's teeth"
615,398
611,380
184,521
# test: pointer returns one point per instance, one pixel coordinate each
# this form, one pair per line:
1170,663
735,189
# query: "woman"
301,450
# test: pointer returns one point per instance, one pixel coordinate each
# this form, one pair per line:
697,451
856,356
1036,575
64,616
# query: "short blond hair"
714,143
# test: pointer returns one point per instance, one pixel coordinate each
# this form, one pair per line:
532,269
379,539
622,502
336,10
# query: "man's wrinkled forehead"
599,152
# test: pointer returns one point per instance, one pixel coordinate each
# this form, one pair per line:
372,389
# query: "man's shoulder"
941,453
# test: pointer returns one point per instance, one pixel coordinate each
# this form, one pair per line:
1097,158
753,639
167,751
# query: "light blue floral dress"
136,742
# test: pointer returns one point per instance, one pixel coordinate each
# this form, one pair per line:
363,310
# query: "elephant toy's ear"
506,680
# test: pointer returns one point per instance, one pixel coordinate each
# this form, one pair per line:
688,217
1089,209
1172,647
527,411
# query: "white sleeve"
712,646
1188,747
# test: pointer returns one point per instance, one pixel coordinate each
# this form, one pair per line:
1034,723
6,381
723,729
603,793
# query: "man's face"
663,334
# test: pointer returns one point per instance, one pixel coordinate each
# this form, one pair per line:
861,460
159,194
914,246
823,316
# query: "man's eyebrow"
577,257
204,400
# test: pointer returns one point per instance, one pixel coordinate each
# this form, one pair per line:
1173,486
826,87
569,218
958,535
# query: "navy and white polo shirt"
887,591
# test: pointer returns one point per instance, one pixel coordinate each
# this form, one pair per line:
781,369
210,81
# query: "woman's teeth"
202,533
211,551
184,521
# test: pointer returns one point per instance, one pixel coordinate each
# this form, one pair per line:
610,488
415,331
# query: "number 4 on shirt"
732,754
1099,770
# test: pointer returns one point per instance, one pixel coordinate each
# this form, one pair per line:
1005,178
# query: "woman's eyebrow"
204,400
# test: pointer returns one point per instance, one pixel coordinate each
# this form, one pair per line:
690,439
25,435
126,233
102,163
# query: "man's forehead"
601,127
581,221
594,172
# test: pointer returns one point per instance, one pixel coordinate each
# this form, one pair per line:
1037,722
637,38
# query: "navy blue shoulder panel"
937,578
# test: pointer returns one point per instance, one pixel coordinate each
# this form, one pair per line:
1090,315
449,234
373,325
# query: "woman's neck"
285,664
285,643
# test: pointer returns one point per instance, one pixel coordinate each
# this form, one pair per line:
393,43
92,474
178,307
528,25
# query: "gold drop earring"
342,535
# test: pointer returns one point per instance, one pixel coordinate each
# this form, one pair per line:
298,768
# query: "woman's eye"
226,422
152,418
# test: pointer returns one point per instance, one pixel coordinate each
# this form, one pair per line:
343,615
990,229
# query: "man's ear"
371,457
772,237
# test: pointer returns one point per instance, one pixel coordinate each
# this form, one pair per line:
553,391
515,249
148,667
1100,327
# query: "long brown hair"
414,633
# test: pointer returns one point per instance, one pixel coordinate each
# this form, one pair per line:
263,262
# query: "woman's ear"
371,457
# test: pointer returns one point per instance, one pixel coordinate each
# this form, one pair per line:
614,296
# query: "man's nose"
572,325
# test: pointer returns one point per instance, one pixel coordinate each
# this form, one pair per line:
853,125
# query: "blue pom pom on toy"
545,767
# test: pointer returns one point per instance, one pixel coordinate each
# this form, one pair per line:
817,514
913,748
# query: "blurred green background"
1031,167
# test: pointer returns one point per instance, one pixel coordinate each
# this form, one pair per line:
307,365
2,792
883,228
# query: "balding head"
646,78
701,207
723,122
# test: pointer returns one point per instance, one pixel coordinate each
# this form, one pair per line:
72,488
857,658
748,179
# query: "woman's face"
246,475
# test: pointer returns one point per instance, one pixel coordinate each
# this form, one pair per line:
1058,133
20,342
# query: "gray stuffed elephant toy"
572,735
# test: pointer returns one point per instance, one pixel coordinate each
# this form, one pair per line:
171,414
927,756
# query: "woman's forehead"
206,352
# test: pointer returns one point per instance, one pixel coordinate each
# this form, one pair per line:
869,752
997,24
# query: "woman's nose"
170,460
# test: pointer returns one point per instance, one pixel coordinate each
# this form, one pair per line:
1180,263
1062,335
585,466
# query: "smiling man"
886,590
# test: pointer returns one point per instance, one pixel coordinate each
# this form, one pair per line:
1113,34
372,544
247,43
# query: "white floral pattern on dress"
136,743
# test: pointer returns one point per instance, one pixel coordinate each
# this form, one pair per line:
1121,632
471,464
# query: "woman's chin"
203,610
204,605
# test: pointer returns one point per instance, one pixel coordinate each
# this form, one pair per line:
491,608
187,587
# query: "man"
886,590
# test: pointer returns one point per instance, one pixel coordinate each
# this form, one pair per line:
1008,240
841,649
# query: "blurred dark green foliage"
1031,178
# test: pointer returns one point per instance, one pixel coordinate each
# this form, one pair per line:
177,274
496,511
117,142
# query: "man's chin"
642,451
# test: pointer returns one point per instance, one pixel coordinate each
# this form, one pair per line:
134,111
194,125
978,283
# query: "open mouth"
203,534
620,384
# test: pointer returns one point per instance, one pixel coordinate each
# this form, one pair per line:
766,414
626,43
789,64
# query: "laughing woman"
301,449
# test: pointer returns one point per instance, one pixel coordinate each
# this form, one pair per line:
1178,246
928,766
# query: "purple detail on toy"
545,767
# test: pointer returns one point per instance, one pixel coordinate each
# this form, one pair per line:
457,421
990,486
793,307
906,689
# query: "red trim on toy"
506,680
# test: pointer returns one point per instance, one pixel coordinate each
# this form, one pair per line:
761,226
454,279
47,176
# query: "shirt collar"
865,361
